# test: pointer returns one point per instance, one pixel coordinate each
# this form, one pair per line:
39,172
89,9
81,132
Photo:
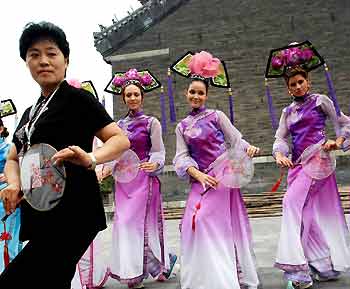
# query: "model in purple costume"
138,243
218,253
313,239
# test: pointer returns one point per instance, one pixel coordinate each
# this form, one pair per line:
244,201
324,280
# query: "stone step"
268,204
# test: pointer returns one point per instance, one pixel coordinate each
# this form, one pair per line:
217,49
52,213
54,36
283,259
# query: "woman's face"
298,85
196,94
133,97
47,64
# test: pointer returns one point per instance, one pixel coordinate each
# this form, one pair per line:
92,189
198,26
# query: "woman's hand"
103,173
74,155
149,167
204,179
331,145
3,179
253,151
339,141
283,161
11,196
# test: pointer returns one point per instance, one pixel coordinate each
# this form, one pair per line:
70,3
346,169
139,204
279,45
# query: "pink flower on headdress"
277,62
118,81
293,56
132,74
307,54
74,82
204,64
146,79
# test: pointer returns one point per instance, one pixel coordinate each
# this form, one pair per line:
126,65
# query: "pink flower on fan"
118,81
204,64
132,74
74,82
146,79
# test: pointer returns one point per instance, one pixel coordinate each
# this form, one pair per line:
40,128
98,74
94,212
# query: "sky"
79,19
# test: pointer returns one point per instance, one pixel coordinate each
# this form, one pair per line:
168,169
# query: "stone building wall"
242,33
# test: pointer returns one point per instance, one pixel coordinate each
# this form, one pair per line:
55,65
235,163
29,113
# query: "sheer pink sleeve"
281,137
182,160
157,151
341,123
232,135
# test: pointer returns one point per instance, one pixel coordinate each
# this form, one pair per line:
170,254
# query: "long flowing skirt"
92,271
217,251
138,241
314,234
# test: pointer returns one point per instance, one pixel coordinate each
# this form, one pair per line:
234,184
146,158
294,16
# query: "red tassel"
278,183
5,236
194,221
197,207
6,255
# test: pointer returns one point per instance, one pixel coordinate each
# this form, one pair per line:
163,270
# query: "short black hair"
34,32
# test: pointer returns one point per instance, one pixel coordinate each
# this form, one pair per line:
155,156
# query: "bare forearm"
193,172
112,148
12,173
278,155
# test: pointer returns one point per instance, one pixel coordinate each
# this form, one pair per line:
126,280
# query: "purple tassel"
271,107
230,99
162,110
171,99
331,89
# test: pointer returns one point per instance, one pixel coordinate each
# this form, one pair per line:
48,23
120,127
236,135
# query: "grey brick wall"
242,33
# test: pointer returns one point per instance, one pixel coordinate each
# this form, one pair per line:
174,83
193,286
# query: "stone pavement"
265,234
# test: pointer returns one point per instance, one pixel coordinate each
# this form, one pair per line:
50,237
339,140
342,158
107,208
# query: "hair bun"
4,133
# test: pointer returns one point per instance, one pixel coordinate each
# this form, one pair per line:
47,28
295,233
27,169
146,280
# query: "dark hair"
205,81
293,72
34,32
4,132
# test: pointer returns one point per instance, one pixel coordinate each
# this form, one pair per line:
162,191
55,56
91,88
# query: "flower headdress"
144,78
132,76
203,66
283,60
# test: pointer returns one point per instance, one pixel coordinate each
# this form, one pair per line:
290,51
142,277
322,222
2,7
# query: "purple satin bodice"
307,126
137,128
